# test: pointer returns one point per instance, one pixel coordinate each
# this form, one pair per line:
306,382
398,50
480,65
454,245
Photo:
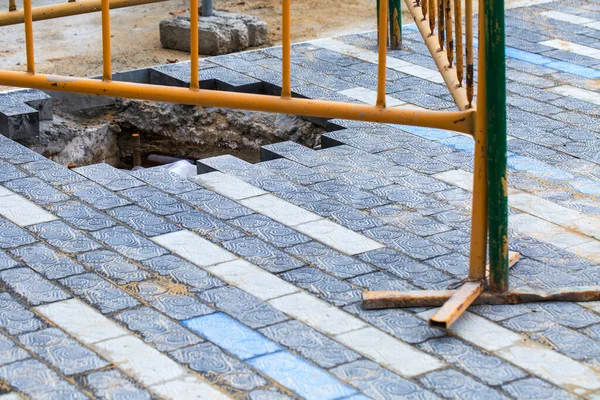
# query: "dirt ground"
72,46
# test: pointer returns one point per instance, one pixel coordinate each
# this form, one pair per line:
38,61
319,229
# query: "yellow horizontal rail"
66,9
460,121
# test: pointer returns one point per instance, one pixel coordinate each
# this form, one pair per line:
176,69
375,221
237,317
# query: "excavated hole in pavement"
174,130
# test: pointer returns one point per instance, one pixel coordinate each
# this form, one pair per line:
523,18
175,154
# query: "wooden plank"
456,305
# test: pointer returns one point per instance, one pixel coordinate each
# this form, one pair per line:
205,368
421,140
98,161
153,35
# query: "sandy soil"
72,45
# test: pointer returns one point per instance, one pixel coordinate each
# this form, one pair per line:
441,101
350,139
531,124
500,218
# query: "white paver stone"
589,250
457,177
552,366
253,279
480,331
316,313
561,16
545,231
280,210
188,388
194,248
228,185
572,48
81,321
338,237
577,93
389,352
140,360
369,96
22,211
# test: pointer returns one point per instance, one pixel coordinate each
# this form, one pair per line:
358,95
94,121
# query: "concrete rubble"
221,33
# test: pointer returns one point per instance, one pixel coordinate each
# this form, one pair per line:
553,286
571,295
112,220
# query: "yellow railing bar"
431,17
194,79
286,50
459,121
479,214
469,45
449,39
29,36
12,5
458,41
52,11
441,30
440,57
106,68
382,52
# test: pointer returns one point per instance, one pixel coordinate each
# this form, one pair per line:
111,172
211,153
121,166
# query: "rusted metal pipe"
286,50
469,49
441,28
382,52
458,41
479,213
459,121
449,37
396,23
136,149
431,17
66,9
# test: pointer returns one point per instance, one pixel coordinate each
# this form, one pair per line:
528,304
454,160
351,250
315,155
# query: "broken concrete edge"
221,33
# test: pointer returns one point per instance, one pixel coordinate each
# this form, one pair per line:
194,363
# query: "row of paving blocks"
22,110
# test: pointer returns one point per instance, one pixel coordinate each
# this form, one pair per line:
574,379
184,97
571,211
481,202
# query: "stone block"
221,33
19,121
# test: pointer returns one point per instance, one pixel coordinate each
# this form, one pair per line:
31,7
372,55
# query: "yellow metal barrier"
487,124
461,121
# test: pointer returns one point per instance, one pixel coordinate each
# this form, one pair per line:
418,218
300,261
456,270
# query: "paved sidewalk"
246,282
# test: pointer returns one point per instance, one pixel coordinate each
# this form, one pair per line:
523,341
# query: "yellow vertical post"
29,36
479,217
286,55
12,5
194,79
106,72
432,16
458,40
382,50
469,45
449,37
441,19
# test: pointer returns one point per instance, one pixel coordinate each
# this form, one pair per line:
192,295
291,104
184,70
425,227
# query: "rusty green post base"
495,67
395,24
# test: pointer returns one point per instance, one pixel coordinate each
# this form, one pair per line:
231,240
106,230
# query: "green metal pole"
495,67
395,24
